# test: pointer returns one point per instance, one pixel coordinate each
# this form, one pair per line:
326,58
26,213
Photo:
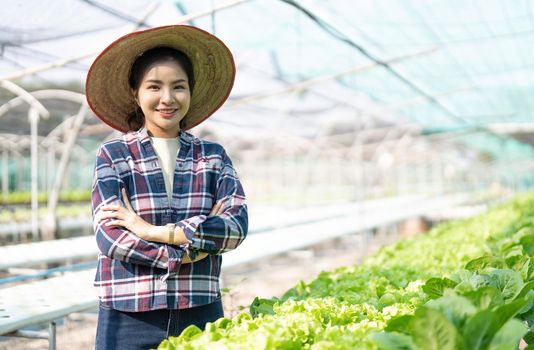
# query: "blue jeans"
118,330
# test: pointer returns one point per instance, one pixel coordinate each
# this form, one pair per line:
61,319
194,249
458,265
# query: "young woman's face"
164,98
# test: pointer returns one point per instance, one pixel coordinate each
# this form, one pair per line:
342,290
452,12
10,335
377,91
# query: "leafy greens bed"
463,285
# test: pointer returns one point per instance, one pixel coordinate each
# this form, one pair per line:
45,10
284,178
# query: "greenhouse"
385,148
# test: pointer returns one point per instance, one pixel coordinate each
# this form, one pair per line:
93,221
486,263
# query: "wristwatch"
171,227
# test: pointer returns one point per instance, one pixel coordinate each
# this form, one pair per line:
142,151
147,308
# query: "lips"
167,112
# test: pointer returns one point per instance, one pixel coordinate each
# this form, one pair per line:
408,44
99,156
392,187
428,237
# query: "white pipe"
43,94
26,96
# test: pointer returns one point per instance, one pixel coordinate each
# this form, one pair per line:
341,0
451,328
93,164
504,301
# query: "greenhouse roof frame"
466,86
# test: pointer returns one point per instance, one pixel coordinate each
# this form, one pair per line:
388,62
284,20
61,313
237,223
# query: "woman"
166,205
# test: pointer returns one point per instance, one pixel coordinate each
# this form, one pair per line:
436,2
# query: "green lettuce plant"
462,285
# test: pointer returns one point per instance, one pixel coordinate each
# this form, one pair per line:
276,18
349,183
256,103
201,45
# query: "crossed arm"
126,217
131,239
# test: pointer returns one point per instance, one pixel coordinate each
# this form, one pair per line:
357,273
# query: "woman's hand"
127,218
217,209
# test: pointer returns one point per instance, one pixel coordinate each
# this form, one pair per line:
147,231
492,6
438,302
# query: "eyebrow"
160,82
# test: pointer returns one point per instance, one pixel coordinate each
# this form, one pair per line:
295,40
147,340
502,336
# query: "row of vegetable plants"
24,198
16,206
24,215
462,285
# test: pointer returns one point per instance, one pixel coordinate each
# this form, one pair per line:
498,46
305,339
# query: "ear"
134,95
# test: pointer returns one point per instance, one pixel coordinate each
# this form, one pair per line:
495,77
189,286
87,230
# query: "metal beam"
310,82
512,128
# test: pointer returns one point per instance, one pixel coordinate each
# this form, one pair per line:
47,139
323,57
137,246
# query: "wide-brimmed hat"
108,91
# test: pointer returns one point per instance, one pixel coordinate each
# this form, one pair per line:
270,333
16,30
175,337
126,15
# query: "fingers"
110,215
125,199
116,216
187,260
212,211
220,210
216,210
110,207
115,223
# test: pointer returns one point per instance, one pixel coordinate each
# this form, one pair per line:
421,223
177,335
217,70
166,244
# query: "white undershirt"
167,150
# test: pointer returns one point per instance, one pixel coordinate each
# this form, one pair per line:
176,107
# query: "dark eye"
152,87
179,87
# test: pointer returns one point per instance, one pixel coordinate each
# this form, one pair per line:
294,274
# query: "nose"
166,96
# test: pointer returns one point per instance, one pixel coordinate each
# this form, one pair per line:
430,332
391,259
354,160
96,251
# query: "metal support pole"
5,174
50,225
51,166
52,335
33,115
19,173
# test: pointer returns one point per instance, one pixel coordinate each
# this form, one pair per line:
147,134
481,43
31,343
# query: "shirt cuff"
191,252
190,226
174,262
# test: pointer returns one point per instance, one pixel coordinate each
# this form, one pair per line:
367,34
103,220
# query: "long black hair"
136,119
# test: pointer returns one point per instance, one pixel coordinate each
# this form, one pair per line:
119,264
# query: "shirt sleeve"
117,242
224,232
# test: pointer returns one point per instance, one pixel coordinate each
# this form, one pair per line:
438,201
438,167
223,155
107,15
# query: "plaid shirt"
137,275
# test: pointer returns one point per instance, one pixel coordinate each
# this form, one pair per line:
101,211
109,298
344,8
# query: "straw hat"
109,94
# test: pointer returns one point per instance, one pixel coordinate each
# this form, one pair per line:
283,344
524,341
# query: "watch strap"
171,227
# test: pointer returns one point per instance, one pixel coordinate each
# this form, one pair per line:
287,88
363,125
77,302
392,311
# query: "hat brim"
108,91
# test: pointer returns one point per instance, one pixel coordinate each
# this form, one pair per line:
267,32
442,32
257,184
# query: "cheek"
145,100
187,97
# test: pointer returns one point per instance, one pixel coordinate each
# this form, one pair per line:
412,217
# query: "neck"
163,134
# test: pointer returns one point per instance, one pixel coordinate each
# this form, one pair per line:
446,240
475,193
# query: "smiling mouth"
167,112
